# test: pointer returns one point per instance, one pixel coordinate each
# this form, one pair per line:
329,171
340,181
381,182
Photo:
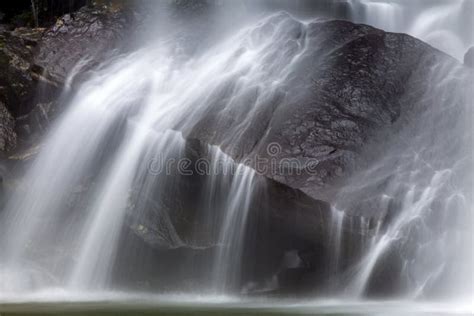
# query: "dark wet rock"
358,87
287,211
87,35
7,129
352,85
354,82
30,127
175,219
25,95
34,62
362,93
17,85
469,57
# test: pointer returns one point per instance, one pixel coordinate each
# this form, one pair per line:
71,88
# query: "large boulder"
354,82
357,87
181,205
361,92
375,119
176,221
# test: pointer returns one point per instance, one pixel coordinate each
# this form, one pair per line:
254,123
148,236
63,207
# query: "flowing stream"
444,24
123,134
114,123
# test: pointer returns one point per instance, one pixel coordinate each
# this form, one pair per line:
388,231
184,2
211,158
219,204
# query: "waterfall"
444,24
117,157
386,15
421,199
412,209
68,221
336,238
232,234
108,208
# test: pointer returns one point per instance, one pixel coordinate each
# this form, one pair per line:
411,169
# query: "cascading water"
442,24
117,127
421,197
95,178
227,263
336,234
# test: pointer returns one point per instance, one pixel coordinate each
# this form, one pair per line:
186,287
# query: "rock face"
178,224
348,89
17,85
7,133
365,102
87,35
351,82
34,63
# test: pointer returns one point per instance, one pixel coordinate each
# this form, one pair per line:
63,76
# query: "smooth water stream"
61,232
112,124
447,25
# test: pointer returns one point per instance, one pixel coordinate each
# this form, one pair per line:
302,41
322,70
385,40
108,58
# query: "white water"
425,170
228,260
337,217
412,209
117,122
137,120
447,25
424,201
